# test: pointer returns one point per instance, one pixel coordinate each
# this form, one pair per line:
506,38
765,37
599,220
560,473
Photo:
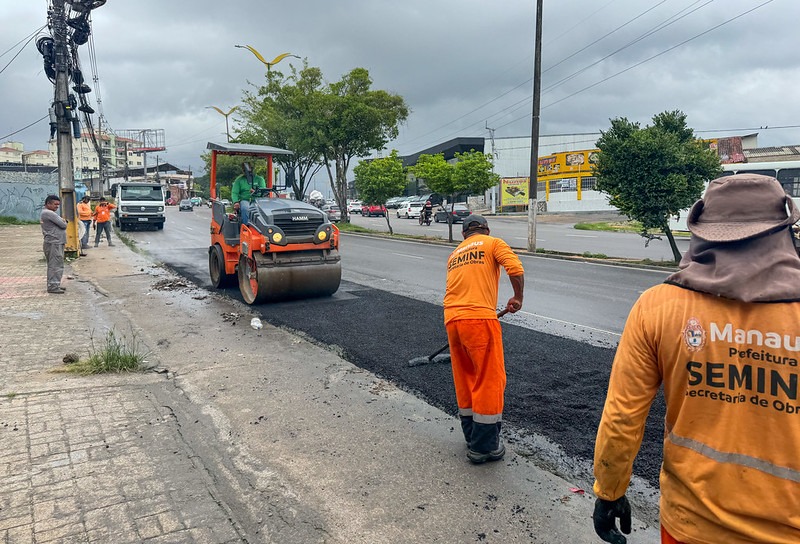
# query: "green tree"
282,113
652,173
352,120
472,173
380,179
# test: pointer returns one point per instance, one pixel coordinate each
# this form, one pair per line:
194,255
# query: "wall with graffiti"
22,194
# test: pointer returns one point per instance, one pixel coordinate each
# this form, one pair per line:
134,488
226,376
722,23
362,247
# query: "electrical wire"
647,59
604,36
30,39
25,127
522,103
659,54
34,33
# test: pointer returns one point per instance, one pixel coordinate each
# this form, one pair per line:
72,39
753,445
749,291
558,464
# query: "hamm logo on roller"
694,334
299,218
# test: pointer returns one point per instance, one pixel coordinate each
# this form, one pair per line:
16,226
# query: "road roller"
288,250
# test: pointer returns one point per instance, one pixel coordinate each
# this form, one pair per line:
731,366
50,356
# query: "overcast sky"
458,64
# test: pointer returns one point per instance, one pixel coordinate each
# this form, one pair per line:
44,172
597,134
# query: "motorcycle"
425,218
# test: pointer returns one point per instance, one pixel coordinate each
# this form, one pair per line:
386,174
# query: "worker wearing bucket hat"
474,334
722,335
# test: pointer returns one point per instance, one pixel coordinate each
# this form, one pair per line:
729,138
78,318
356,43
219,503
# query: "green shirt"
241,187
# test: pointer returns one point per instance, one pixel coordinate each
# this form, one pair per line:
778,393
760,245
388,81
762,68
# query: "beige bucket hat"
742,206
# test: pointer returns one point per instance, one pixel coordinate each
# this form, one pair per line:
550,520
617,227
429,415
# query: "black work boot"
486,444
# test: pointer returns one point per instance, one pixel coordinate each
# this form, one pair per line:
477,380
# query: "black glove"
605,519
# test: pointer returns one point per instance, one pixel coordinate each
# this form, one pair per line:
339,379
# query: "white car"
409,209
354,206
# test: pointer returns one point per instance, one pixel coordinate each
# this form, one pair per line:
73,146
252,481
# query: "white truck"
139,205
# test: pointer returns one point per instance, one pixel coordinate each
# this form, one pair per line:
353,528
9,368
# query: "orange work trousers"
479,372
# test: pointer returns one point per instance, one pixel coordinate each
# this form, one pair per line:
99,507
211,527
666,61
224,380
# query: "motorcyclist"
427,213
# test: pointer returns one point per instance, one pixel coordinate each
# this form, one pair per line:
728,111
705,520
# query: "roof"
247,149
9,150
449,149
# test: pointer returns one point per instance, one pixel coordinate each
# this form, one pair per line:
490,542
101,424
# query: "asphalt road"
388,311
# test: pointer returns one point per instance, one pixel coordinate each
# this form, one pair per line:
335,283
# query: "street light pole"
258,55
226,115
533,182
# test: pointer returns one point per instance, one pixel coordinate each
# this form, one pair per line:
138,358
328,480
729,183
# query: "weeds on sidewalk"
115,354
8,220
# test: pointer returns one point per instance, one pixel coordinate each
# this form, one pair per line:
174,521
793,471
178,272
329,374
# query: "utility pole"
533,182
494,158
65,116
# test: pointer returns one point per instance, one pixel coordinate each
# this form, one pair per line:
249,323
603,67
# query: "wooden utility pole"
65,114
533,182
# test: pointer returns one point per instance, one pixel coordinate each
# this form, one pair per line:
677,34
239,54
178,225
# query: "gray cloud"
162,62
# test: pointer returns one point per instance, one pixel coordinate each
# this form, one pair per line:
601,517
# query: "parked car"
185,204
410,209
373,209
435,198
334,213
459,213
354,206
395,202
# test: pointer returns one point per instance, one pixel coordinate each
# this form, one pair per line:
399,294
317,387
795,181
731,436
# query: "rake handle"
500,314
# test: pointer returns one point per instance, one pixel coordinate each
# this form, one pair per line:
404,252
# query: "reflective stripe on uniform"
784,473
482,418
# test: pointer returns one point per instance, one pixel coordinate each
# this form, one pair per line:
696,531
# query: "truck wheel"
216,268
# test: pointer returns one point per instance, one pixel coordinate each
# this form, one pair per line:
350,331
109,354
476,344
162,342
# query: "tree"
653,173
282,114
380,179
472,173
352,120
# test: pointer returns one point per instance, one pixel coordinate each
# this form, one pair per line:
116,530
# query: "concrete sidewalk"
235,435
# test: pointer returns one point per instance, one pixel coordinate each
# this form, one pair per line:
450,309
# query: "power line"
30,39
22,40
648,59
623,25
521,103
25,127
661,53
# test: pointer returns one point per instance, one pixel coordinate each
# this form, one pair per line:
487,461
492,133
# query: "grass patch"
611,226
590,255
115,354
8,220
350,227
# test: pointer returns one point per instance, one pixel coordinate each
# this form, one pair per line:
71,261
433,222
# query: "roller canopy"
247,149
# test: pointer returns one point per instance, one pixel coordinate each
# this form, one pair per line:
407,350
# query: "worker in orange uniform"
475,336
723,337
85,217
102,220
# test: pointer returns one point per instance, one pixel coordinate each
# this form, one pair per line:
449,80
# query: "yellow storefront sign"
514,191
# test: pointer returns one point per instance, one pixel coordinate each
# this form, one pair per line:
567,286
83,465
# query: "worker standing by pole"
65,106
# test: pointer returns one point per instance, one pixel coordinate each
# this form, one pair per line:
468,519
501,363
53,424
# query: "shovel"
439,357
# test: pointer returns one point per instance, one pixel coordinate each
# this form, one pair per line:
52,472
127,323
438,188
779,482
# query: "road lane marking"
525,238
581,235
569,323
409,256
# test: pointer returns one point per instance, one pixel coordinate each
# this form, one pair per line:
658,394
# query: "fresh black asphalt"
556,387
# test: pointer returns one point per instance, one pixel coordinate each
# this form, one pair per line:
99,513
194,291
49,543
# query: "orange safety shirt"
473,275
731,470
84,211
102,213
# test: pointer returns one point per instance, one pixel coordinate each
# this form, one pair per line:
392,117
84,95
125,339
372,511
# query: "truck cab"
139,204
